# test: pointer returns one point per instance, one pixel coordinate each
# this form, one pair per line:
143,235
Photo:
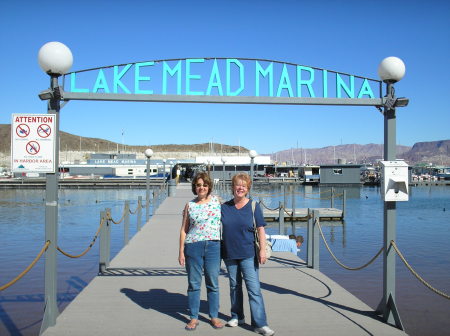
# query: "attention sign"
33,143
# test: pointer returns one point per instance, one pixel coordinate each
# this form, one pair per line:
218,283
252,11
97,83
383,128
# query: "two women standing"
200,250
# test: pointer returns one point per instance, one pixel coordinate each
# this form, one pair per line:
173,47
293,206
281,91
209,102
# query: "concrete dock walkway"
144,293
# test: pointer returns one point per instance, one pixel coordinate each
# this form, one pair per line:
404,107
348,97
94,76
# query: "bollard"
108,240
332,198
281,219
293,213
103,237
309,234
172,188
344,197
126,227
315,245
105,241
139,213
152,202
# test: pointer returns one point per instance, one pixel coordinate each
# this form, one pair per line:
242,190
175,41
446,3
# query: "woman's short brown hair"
206,180
243,177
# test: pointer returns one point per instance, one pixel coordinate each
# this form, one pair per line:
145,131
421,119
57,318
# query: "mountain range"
435,152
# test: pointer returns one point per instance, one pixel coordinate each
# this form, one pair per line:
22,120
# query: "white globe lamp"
55,58
148,153
391,69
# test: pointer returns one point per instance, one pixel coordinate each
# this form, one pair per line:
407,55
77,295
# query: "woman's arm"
183,231
260,223
262,258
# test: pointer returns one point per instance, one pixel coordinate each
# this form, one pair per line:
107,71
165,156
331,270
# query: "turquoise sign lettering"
223,77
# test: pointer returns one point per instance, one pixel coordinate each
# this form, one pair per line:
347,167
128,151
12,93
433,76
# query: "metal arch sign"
222,80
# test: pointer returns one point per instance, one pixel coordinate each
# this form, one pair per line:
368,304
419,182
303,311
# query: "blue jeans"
248,270
203,255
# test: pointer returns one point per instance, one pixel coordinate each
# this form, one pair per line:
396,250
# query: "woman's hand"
262,256
181,258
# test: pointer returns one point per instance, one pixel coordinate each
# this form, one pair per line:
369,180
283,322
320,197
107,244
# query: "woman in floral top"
200,249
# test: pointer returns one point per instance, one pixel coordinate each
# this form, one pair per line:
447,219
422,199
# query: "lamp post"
172,184
55,59
252,155
223,170
390,70
148,153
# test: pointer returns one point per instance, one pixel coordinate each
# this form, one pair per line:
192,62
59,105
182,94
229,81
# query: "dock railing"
315,233
104,232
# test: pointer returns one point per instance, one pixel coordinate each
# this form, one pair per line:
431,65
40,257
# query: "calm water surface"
423,234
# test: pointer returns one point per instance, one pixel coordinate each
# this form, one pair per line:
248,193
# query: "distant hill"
71,142
331,154
437,152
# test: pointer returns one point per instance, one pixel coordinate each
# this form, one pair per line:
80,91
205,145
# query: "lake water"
423,235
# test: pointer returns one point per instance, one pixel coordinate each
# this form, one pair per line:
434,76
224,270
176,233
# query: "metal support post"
387,305
252,160
108,240
316,240
344,198
103,243
51,311
332,198
293,213
309,234
139,213
147,194
126,226
281,219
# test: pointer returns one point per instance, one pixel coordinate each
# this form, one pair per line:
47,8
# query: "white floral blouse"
204,221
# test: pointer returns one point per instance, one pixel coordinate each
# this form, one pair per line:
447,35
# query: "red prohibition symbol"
23,130
44,131
33,147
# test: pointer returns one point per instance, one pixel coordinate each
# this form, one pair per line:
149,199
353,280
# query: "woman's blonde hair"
241,177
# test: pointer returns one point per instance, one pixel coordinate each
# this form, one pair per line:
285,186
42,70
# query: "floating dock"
301,215
143,292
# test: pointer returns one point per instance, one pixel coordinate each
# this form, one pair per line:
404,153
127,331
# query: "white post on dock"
252,155
309,251
148,153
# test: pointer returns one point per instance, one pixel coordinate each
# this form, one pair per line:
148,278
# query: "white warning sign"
33,143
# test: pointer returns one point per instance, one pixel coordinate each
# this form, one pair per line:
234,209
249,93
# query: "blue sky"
346,36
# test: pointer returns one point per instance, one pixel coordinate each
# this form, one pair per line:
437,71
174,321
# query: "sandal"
216,324
191,326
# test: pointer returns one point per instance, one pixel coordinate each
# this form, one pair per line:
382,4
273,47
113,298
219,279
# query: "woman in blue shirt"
240,257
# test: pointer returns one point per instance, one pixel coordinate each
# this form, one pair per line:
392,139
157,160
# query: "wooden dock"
144,293
328,214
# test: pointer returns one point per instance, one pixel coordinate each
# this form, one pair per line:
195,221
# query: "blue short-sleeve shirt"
238,233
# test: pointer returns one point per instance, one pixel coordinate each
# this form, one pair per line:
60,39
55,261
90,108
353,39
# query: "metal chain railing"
26,270
88,248
336,259
408,266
